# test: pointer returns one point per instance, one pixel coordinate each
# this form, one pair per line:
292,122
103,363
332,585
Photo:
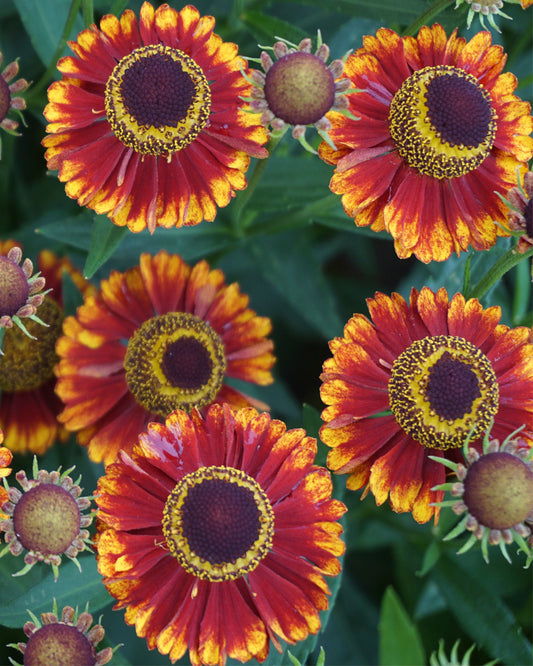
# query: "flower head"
488,9
520,216
69,639
495,494
226,511
439,131
7,101
147,124
20,292
298,88
5,459
418,381
159,337
46,519
27,368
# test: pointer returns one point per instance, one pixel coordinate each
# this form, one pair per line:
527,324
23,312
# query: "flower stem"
522,294
43,81
428,16
88,12
504,264
260,166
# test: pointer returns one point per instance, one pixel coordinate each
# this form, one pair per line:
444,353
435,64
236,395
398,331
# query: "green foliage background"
306,265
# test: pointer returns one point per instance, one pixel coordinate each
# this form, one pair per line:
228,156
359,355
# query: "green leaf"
385,10
288,263
72,297
311,420
294,661
399,641
44,23
37,589
338,220
105,238
74,231
308,178
266,28
483,615
431,556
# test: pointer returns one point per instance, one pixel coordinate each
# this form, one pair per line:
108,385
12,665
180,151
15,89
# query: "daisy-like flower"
20,292
7,101
5,459
222,512
27,378
494,491
439,131
67,639
46,519
159,337
445,369
489,9
520,217
298,89
147,124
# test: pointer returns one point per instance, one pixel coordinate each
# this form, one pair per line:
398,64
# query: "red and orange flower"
5,459
147,124
222,512
159,337
28,404
415,382
439,132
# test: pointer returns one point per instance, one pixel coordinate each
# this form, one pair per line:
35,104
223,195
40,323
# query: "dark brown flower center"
59,644
14,288
5,99
440,389
175,361
156,91
46,519
157,100
442,122
218,523
186,363
26,363
299,88
498,490
452,387
459,109
220,520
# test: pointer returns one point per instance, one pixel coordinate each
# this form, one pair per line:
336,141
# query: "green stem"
237,9
504,264
43,81
260,166
88,12
428,16
522,293
118,7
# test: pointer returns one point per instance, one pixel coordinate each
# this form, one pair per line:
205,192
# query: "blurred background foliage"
309,268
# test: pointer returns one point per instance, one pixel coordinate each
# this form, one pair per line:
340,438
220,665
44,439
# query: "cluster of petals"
145,190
